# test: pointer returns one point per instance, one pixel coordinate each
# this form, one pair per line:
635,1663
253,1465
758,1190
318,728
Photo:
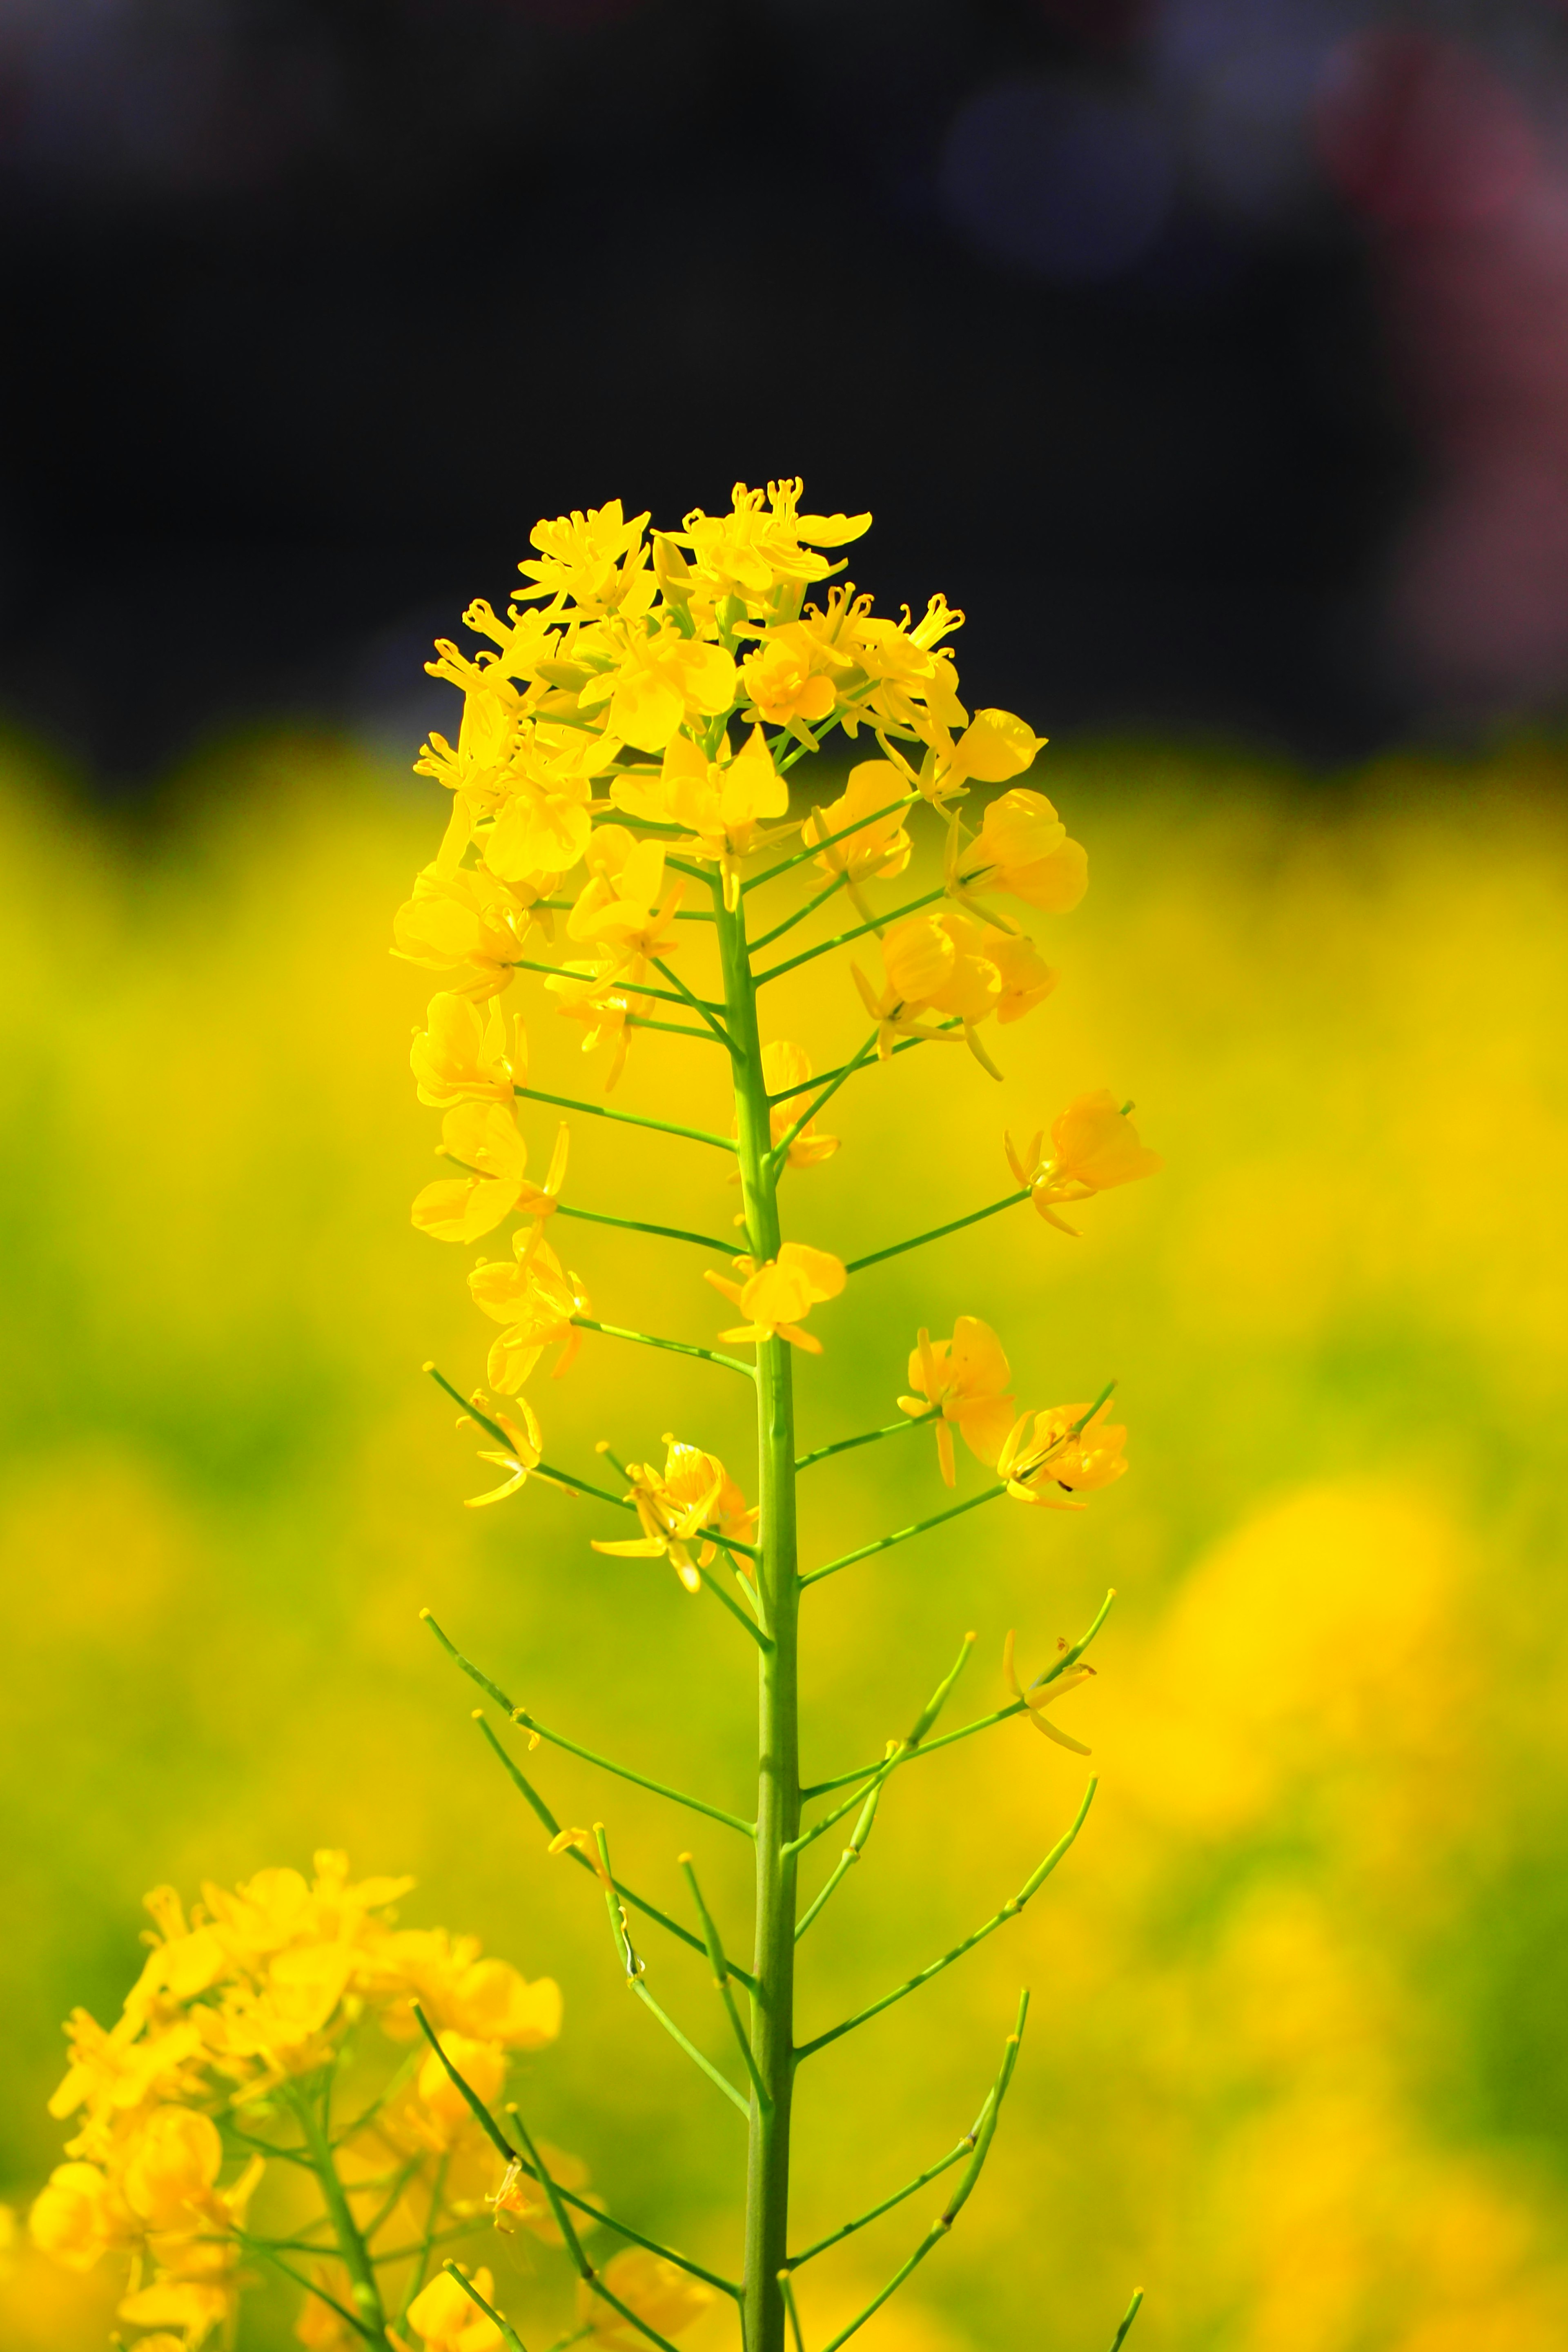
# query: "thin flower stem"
959,2197
683,915
508,2334
898,1748
897,1249
675,1347
558,1739
673,1029
721,1974
867,1437
493,1429
874,2212
1009,1910
903,1535
581,2263
363,2288
1128,2315
627,1118
845,1863
780,1152
842,939
551,1827
264,2247
1068,1657
815,848
428,2242
634,1967
632,988
787,2285
697,1005
553,2192
904,1046
800,913
636,1225
727,1601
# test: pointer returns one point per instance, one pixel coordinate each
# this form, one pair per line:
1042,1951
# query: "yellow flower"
660,680
536,1301
318,2327
693,1492
80,2217
1040,1696
605,1007
785,1068
666,2298
494,2003
460,915
992,746
174,2160
618,907
483,1139
460,1053
525,1445
899,678
597,558
1069,1448
541,825
1094,1147
195,2306
450,2321
756,549
784,687
116,2071
965,1379
493,712
482,2065
1026,978
776,1295
723,801
1023,848
875,852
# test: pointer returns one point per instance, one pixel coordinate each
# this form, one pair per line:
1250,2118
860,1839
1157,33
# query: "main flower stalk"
778,1726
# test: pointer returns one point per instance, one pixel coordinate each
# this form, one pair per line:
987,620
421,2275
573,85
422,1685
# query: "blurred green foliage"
1299,2054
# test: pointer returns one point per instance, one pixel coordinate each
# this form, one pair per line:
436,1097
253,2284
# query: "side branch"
572,1748
504,2148
1009,1910
1128,2316
904,1046
673,1346
897,1249
780,1153
637,987
896,1749
634,1964
722,1972
627,1118
846,1861
842,939
867,1437
698,1006
508,2335
786,865
960,2195
982,1722
636,1225
903,1535
551,1827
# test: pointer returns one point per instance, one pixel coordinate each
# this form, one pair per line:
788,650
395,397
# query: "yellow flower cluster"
627,731
962,1384
243,2009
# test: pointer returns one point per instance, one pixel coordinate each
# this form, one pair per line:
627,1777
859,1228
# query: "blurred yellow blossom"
536,1301
448,2320
1022,848
785,1070
483,1139
1094,1146
664,2297
461,1052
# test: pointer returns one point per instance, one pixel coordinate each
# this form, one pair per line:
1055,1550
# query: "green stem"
673,1028
903,1535
636,1225
785,865
630,987
268,2252
959,2197
708,1019
551,1828
508,2334
625,1118
1128,2315
845,1863
364,2289
559,1739
867,1437
842,939
800,914
778,1744
1009,1910
780,1152
721,1975
897,1249
634,1964
674,1347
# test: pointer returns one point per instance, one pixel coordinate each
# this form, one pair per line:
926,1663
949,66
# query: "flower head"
946,974
1094,1147
1044,1692
461,1053
537,1301
483,1139
1070,1448
1022,848
877,850
777,1296
679,1505
964,1382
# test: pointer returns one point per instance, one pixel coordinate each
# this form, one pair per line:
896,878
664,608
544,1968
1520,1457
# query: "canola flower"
287,2028
624,760
621,817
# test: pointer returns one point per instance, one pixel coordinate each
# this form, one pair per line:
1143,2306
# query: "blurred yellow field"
1298,2060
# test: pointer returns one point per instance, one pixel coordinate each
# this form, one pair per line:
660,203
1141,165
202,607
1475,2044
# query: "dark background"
1212,353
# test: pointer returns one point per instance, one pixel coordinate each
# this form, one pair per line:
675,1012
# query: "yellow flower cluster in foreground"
615,751
225,2056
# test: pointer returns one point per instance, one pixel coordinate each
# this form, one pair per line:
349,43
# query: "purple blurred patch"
1066,182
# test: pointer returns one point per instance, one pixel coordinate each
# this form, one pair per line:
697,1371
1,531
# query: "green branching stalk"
937,1234
508,2334
625,1118
1128,2316
364,2286
904,1535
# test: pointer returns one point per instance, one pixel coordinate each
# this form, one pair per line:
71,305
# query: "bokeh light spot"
1066,182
